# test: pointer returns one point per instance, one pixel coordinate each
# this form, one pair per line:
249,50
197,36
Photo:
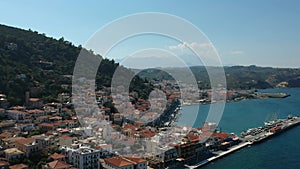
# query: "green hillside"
33,62
237,77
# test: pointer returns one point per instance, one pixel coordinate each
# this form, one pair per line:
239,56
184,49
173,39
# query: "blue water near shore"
280,152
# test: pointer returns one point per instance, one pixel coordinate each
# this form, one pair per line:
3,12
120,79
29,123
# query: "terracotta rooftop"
34,111
26,141
18,108
221,135
13,139
57,156
147,134
194,137
129,126
58,165
5,134
104,146
46,125
118,161
63,131
3,163
19,166
34,99
135,159
66,137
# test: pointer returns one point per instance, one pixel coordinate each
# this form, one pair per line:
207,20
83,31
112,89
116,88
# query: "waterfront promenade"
260,134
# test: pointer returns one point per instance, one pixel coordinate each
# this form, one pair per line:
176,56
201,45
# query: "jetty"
254,136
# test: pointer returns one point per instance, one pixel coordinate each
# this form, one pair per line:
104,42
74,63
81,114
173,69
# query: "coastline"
286,124
250,96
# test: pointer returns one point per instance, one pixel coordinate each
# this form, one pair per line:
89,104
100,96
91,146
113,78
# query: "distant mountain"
33,62
237,77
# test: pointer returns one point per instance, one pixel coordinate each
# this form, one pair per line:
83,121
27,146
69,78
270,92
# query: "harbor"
254,136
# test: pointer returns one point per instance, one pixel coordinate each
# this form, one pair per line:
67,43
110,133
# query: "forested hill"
31,61
237,77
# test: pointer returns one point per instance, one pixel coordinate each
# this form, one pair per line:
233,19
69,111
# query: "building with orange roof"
17,115
10,142
57,164
220,136
36,113
125,162
20,108
43,141
4,164
5,134
19,166
57,156
147,134
28,146
192,151
139,162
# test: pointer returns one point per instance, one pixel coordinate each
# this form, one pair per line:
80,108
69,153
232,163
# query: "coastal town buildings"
82,157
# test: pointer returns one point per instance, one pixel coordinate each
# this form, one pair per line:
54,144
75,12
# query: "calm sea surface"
280,152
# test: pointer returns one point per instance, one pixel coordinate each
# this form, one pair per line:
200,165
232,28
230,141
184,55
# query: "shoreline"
258,95
287,124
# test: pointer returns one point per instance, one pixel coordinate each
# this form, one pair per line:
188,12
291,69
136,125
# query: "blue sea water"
280,152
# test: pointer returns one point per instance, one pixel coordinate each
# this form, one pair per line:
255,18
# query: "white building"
82,157
16,115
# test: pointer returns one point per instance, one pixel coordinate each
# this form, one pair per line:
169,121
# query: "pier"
253,136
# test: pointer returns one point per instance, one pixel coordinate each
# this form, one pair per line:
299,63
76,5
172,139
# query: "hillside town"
54,135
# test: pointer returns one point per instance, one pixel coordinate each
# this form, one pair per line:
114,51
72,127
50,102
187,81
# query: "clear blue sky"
261,32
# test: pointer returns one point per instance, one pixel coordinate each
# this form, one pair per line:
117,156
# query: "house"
42,119
118,163
66,140
4,164
19,166
125,163
5,134
20,108
82,157
71,123
7,124
28,146
17,115
58,157
10,142
13,153
58,165
139,163
106,150
26,127
35,113
169,157
43,141
192,151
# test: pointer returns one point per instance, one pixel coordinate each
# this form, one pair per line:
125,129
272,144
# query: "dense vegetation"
33,62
